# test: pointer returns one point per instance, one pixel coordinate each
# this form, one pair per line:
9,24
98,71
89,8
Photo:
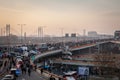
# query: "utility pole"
21,32
25,38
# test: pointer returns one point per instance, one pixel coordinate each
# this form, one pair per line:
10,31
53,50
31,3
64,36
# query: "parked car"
8,77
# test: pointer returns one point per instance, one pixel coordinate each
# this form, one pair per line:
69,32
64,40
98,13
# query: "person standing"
35,67
51,78
29,71
41,71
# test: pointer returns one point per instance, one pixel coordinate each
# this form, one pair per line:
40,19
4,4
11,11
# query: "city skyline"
73,16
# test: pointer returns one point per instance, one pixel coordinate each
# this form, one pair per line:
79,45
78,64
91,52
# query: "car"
67,58
19,57
18,60
70,75
13,54
67,53
8,77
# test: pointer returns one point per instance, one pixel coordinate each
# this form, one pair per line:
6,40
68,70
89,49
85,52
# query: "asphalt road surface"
34,76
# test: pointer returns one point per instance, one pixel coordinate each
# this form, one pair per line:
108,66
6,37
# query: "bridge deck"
72,49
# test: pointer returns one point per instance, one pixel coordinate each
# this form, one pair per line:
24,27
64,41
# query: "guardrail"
4,70
3,73
51,74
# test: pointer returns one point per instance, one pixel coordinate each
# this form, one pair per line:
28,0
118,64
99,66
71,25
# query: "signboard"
83,71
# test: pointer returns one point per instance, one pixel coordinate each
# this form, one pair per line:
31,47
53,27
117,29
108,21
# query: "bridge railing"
48,74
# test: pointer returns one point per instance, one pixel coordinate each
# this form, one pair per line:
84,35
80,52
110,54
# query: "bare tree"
108,63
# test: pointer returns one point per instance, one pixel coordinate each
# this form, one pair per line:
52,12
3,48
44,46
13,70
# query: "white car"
67,57
8,77
20,57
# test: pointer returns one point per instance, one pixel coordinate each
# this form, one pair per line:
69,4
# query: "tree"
108,62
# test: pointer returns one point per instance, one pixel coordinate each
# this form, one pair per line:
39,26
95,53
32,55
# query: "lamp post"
21,25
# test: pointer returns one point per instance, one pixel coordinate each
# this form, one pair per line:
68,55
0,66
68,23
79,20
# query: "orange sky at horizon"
72,15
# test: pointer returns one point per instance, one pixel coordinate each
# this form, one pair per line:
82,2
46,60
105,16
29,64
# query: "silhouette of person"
29,71
41,71
51,78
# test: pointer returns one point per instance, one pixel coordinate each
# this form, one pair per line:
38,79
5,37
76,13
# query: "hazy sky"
102,16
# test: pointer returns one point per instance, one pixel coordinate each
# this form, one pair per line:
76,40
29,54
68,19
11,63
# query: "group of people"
26,69
26,66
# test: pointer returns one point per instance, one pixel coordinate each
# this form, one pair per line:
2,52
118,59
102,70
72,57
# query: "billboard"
84,71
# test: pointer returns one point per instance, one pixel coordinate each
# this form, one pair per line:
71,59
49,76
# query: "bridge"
58,52
37,76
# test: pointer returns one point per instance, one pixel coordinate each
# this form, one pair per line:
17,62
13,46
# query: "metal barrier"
4,70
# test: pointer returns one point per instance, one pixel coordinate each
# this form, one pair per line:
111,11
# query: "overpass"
57,52
116,42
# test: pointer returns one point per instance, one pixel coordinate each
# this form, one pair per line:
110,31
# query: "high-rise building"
7,29
66,35
92,34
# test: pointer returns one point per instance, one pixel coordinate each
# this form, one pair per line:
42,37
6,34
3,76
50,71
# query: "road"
34,76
